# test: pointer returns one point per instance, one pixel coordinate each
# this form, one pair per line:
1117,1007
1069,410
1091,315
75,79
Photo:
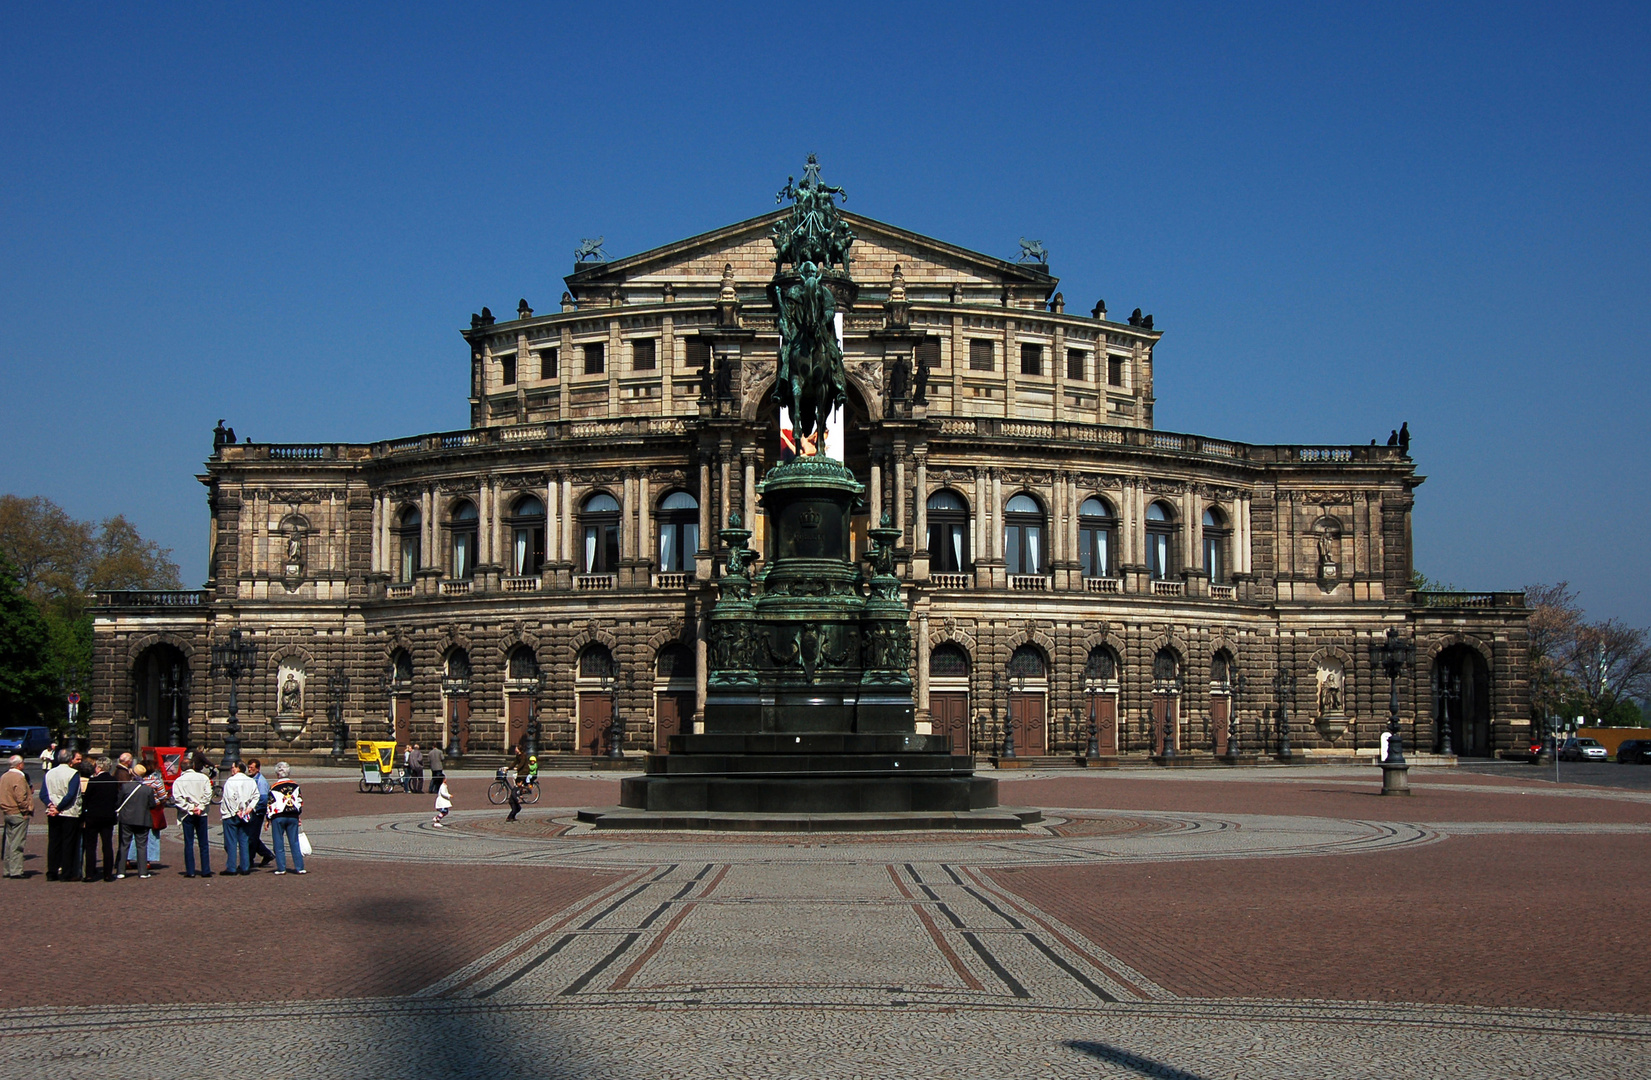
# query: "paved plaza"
1270,922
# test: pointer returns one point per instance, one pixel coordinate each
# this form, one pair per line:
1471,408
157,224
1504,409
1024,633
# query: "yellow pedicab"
378,765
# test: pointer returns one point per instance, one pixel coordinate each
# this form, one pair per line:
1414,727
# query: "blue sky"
1342,216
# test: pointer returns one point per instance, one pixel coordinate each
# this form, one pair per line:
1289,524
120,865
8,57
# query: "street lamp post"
616,725
338,685
172,689
1235,690
1284,687
1393,655
232,659
1001,688
1450,689
530,739
69,681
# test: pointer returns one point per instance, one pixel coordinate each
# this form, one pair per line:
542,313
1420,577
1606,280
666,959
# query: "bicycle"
498,792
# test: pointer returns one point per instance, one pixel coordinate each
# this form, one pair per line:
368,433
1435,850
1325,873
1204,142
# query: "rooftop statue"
590,249
1033,251
812,232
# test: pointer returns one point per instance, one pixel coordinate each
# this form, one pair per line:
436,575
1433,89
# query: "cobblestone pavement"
1117,941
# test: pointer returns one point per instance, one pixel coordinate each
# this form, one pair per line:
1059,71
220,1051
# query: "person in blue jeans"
192,794
286,803
240,800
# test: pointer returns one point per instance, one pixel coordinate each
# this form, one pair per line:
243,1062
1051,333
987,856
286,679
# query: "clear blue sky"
1342,216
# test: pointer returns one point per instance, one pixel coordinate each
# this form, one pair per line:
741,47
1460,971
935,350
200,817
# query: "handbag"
304,844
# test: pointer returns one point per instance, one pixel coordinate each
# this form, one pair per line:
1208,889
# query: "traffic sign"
74,699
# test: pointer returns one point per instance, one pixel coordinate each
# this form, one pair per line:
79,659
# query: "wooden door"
1106,724
404,719
1026,713
1160,720
1220,708
458,724
516,731
949,716
595,711
673,710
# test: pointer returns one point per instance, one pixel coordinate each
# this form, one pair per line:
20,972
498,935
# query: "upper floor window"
928,354
1097,527
1160,541
643,354
1031,359
1216,537
507,369
1114,371
547,363
410,537
462,524
1076,361
599,524
527,536
948,532
678,532
596,358
1023,528
981,355
698,353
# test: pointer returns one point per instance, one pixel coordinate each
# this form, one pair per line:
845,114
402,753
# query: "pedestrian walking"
235,809
48,758
98,809
60,793
286,804
157,818
17,805
137,800
192,794
444,804
513,793
415,768
260,814
433,759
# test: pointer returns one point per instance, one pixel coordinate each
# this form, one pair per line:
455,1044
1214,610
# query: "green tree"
27,687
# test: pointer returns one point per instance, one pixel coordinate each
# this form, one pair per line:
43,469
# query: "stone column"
566,552
378,530
749,492
979,546
996,515
920,505
923,666
498,542
1192,508
427,546
900,495
704,505
722,488
484,524
875,496
700,678
645,547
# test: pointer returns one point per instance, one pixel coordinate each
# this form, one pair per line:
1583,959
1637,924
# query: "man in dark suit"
98,807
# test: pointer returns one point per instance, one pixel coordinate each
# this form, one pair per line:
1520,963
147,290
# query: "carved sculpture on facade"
590,249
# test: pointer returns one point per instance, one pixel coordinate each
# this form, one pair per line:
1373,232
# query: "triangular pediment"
925,263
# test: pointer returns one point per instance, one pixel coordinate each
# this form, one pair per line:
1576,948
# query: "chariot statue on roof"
813,231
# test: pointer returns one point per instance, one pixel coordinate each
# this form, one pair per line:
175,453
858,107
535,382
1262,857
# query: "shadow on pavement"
1114,1055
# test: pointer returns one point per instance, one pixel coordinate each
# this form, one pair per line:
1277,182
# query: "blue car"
28,741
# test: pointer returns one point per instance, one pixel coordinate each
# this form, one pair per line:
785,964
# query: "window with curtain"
1023,532
948,532
1216,536
409,535
527,536
1160,541
678,532
463,527
599,526
1097,526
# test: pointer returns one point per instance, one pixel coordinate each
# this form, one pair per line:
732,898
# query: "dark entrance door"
1106,724
949,715
595,711
404,719
673,710
517,729
1026,713
1463,671
1220,707
1163,720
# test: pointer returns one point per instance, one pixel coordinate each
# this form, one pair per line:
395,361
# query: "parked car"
1634,752
28,741
1582,749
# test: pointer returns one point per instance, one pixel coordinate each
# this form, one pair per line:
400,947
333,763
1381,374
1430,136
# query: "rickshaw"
379,770
168,761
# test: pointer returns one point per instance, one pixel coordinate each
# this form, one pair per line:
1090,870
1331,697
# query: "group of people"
414,761
87,801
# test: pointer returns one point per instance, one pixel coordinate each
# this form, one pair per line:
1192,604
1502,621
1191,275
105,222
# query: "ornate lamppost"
531,686
1284,688
1449,690
1393,655
172,688
1093,750
616,725
1234,692
232,659
338,685
1000,689
1168,683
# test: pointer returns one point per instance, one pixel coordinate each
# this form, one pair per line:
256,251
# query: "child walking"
444,804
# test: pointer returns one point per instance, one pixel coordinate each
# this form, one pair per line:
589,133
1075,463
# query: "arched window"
1160,541
595,662
678,532
462,525
599,523
523,664
409,537
1166,670
1221,670
1216,536
527,536
458,667
1096,525
675,663
1101,669
401,670
1023,548
948,532
948,662
1027,664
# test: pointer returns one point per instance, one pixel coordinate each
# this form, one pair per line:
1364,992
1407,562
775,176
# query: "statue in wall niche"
1329,688
920,393
295,549
291,700
899,374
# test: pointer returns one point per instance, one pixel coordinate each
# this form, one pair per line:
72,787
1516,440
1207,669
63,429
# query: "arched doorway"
1100,681
455,713
1166,701
521,693
160,697
949,696
1028,692
594,685
1461,699
675,693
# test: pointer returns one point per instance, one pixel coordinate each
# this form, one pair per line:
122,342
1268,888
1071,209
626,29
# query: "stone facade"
418,567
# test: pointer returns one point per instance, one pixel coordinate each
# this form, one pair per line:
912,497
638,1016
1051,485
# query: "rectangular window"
1031,359
1095,546
1075,364
507,369
1114,371
547,364
698,353
596,358
980,355
642,354
1213,562
928,354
